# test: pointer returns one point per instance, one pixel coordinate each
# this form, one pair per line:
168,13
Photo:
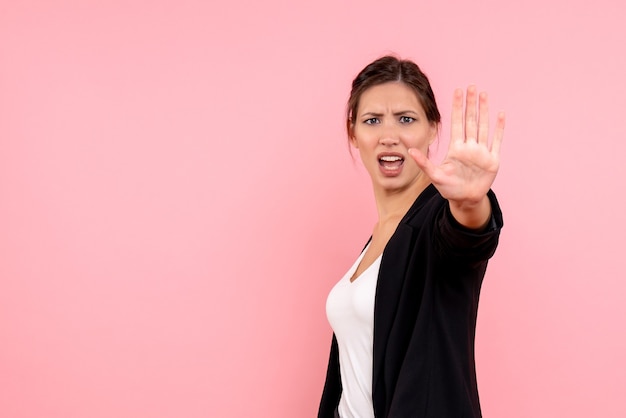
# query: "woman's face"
389,121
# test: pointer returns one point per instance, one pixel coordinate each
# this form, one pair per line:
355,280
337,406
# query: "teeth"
390,158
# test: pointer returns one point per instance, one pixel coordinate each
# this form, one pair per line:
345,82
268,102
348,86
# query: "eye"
406,119
371,121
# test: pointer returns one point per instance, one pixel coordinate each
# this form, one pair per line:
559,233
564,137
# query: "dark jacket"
425,316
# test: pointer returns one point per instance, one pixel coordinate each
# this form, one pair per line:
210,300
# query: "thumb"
423,162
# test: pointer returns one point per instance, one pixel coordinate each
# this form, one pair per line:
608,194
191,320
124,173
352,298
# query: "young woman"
404,315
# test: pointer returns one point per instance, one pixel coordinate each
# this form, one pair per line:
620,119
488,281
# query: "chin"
397,184
394,186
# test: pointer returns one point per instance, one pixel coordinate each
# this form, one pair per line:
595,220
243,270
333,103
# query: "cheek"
365,142
419,141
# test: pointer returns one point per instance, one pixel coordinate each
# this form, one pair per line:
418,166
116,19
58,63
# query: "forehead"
391,96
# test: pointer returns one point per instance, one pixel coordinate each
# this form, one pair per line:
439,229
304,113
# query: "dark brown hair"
388,69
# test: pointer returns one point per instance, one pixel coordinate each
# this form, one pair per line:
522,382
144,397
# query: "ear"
351,135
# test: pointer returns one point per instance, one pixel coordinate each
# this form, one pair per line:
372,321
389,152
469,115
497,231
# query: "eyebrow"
400,113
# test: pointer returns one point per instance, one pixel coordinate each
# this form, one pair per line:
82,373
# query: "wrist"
468,205
473,214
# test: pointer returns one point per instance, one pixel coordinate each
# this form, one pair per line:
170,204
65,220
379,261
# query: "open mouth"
391,162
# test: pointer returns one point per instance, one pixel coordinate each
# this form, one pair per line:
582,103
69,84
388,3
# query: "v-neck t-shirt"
350,312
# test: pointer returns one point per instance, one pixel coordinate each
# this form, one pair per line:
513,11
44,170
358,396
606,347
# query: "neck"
392,205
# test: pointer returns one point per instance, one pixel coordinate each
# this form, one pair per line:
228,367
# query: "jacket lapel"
393,268
388,290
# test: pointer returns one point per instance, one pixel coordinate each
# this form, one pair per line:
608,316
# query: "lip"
389,170
390,154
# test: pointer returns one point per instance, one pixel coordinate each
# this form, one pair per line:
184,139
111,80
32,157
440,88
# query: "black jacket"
425,316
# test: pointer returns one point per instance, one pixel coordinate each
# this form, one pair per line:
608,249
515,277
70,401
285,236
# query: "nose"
389,141
389,137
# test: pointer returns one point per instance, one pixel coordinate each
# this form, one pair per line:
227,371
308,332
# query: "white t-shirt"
350,311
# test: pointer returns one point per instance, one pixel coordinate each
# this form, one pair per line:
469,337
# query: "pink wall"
177,199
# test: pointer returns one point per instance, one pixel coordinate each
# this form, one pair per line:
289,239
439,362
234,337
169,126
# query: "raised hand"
471,164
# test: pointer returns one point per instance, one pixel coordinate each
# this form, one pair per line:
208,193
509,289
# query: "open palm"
471,164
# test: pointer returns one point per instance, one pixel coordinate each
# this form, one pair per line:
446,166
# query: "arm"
466,174
471,215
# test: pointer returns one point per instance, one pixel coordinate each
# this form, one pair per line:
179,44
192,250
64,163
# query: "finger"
423,162
456,127
471,126
483,119
498,134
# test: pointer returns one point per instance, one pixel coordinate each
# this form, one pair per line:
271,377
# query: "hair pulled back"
391,69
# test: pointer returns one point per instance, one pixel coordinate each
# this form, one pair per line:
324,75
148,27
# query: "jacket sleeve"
454,241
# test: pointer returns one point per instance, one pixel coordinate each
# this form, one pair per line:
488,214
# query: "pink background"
177,199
